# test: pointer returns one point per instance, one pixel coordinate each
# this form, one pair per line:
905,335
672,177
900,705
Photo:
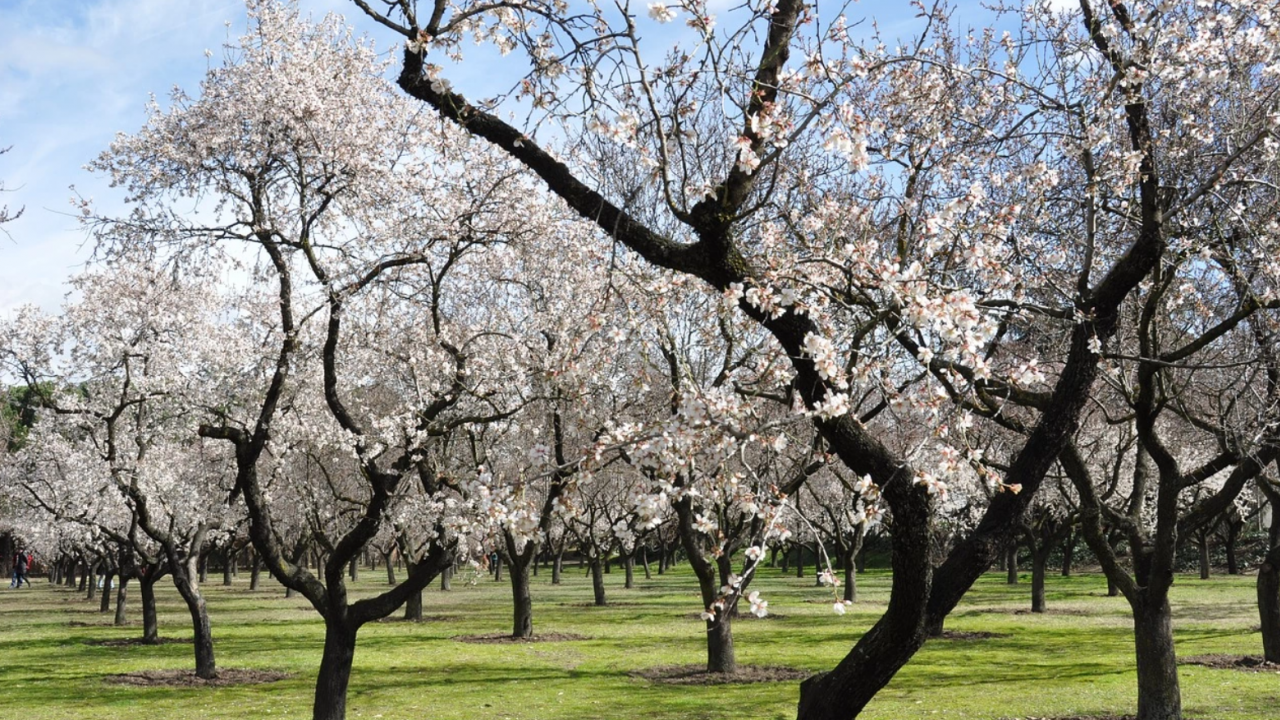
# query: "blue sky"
73,73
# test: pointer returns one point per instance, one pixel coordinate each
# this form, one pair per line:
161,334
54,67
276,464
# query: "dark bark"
227,561
644,562
255,571
391,569
1039,563
522,600
413,607
629,563
1202,548
122,595
86,577
1159,697
1011,564
597,581
203,567
850,575
108,578
799,560
557,567
1229,544
335,671
446,579
354,569
1068,553
720,654
93,580
150,625
1269,602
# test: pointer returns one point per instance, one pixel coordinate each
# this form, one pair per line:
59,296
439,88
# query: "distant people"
21,563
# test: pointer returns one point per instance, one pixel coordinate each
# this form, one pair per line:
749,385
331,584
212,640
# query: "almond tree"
876,205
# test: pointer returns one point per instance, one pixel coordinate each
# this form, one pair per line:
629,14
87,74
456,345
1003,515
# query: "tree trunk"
557,567
446,579
391,569
1269,596
1233,535
799,560
86,577
413,607
644,562
1011,564
720,655
255,571
1068,553
662,559
1202,544
122,594
522,600
107,579
335,671
629,562
497,569
150,625
203,563
1159,697
597,581
226,567
1112,589
70,578
183,572
354,569
1039,561
850,575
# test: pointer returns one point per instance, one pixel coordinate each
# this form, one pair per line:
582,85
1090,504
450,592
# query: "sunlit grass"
1075,659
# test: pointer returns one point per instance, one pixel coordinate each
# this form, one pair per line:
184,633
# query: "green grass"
1076,659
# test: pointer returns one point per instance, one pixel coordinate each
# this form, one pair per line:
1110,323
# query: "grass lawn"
1075,659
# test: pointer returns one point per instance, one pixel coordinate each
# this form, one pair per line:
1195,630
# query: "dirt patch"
736,618
187,678
1053,611
77,623
978,635
698,675
1079,717
593,605
1246,663
423,619
130,642
505,639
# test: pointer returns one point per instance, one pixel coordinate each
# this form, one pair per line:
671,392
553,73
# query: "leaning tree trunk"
122,594
597,581
1159,697
150,625
1039,563
391,569
335,671
629,562
202,633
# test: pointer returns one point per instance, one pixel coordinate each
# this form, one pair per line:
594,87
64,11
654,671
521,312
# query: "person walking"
21,563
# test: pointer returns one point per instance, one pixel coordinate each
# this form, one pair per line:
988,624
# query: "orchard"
583,337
